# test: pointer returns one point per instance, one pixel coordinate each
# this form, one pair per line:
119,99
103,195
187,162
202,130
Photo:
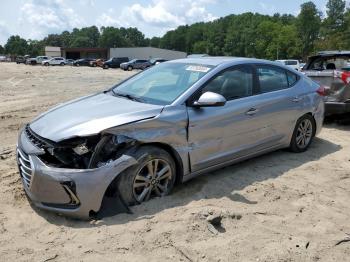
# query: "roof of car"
217,60
331,53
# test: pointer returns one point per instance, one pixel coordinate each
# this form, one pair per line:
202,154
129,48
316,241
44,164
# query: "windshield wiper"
128,96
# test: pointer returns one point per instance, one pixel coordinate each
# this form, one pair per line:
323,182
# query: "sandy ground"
278,207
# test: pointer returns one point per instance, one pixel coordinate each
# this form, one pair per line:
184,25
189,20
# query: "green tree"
334,26
155,42
35,47
335,14
111,37
2,49
16,46
308,25
84,37
53,40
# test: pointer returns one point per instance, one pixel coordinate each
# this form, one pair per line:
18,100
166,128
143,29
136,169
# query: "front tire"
153,176
303,134
130,68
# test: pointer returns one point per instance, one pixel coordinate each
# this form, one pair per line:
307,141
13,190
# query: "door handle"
252,111
297,99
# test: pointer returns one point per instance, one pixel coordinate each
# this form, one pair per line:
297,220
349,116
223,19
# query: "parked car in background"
301,66
156,61
20,60
37,60
5,59
70,61
135,64
83,62
291,63
97,62
54,61
167,124
330,69
114,62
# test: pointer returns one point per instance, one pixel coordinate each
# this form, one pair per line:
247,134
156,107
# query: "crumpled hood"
90,115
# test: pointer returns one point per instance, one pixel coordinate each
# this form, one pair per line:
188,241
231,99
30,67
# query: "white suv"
290,63
54,61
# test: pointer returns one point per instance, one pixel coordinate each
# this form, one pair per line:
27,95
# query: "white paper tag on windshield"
197,68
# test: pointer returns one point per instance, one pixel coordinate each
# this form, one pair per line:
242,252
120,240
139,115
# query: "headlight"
81,149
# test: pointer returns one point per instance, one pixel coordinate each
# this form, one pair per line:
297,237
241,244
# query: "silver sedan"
165,125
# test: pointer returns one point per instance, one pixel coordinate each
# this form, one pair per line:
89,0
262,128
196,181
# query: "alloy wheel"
152,179
304,133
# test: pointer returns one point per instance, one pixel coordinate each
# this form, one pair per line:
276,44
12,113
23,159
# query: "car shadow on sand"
213,185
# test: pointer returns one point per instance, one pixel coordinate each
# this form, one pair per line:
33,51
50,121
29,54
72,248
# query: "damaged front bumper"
72,192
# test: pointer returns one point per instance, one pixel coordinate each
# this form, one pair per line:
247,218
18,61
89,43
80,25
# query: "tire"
78,64
62,64
303,135
134,184
105,66
130,68
46,64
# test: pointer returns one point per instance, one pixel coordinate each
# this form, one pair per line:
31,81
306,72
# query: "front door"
220,134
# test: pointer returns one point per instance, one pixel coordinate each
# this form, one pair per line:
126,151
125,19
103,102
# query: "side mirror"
210,99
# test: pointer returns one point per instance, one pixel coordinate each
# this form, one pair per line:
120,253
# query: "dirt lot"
279,207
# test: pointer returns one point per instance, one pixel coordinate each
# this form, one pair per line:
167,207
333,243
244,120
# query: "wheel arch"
174,154
313,119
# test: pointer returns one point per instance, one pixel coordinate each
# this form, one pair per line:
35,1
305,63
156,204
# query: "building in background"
77,53
105,53
146,53
53,51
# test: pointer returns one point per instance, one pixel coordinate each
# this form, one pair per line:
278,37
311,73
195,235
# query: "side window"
292,78
271,79
232,84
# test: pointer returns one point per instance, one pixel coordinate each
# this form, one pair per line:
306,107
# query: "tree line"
247,35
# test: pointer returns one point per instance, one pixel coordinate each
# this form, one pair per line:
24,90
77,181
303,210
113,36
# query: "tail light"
321,91
345,76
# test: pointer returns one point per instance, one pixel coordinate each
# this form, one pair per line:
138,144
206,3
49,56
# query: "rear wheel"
153,176
105,66
62,64
303,134
46,64
129,68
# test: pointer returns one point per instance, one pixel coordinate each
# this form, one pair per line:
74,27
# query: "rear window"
292,78
329,63
272,79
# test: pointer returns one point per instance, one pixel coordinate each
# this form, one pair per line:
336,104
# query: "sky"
34,19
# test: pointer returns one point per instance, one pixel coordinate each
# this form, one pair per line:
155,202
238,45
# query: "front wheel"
153,176
129,68
62,64
303,134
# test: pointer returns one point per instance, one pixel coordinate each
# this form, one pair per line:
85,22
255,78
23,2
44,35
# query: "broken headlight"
81,149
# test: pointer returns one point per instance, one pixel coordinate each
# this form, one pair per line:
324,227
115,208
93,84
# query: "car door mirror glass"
210,99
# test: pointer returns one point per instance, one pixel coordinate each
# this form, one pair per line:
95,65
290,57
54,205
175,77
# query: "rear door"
280,102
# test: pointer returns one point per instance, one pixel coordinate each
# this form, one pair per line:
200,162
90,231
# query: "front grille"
35,139
24,166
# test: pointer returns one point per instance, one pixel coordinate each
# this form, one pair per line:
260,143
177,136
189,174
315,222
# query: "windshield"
161,84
